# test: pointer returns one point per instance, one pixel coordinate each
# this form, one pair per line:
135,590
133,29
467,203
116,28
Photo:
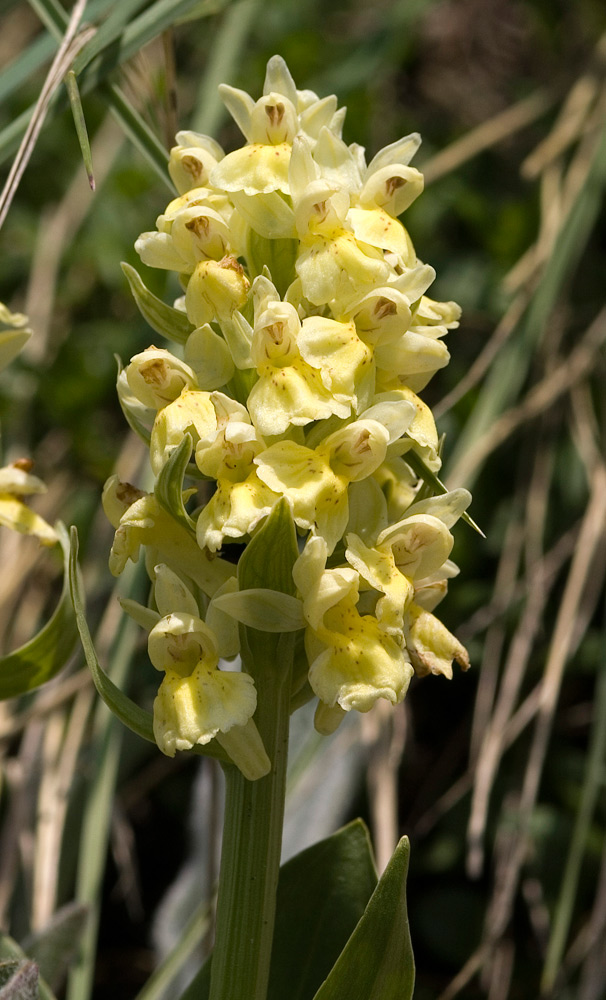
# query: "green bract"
307,336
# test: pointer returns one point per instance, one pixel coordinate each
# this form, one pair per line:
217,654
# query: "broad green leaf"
43,656
124,708
322,894
416,463
165,320
377,961
169,487
269,557
263,609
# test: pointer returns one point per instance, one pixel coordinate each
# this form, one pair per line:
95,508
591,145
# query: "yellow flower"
156,377
192,160
307,371
199,225
215,290
192,412
197,701
315,480
15,483
144,522
378,567
234,510
14,334
359,663
353,661
431,646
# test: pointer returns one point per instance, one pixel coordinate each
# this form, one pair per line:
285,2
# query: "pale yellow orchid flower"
17,482
431,646
198,702
315,481
353,661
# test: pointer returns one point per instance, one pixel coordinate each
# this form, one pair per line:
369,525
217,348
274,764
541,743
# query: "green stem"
252,837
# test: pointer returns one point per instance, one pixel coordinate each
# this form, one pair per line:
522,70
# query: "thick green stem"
252,837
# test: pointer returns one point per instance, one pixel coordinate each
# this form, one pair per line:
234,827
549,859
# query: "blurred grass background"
498,777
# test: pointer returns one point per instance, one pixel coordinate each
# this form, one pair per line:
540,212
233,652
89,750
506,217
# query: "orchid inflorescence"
306,337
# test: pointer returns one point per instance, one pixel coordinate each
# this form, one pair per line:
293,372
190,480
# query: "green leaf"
119,45
79,121
322,893
138,131
165,320
268,559
263,609
416,463
169,487
108,31
377,961
124,708
43,656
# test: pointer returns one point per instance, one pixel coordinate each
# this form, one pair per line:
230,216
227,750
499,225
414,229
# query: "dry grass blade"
385,731
571,119
542,396
504,592
487,355
70,46
488,134
57,229
492,746
53,800
592,531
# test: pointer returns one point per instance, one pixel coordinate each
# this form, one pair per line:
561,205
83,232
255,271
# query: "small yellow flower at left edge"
198,702
14,334
15,483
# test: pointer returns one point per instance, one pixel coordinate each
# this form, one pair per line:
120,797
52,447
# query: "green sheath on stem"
254,810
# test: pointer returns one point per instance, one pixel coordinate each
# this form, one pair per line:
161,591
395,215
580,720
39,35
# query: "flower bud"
156,377
215,290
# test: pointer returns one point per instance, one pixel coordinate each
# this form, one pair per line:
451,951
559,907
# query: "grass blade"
80,123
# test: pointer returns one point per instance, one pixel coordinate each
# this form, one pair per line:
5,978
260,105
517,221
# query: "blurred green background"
497,777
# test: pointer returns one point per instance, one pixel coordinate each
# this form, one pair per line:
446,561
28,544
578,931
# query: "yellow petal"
14,514
233,511
361,664
254,169
379,569
431,646
289,396
193,709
